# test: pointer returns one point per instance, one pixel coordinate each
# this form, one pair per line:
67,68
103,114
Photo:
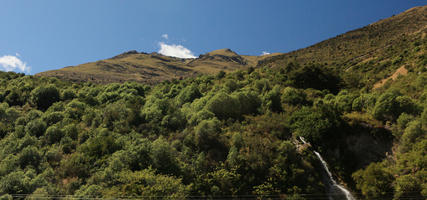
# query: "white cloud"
13,63
264,53
175,50
165,36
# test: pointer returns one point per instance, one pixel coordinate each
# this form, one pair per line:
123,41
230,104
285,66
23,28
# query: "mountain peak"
223,52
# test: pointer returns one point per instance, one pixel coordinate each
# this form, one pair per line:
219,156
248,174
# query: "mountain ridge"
380,42
152,68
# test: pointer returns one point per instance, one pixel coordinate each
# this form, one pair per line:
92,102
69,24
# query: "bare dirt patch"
401,71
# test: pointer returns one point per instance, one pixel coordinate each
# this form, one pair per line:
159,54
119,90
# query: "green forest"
227,135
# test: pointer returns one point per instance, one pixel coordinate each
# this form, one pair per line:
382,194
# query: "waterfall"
335,189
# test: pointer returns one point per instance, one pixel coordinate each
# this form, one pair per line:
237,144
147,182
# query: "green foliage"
408,186
391,104
53,118
101,145
231,134
374,182
410,135
272,100
36,127
223,106
29,156
6,197
206,134
315,76
15,183
163,157
44,96
293,96
188,94
53,135
317,125
148,184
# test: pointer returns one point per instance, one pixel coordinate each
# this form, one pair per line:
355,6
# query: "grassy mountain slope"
376,50
153,68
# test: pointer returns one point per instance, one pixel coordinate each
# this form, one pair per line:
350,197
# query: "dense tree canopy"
226,135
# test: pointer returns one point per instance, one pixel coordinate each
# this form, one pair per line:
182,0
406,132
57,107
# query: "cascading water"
336,191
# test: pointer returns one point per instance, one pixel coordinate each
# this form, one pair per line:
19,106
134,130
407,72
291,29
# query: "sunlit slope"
153,68
377,50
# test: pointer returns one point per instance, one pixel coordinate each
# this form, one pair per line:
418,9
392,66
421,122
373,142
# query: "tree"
188,94
318,125
29,156
224,106
317,77
163,156
53,135
36,127
375,182
272,100
206,133
147,183
410,135
293,96
15,183
391,104
44,96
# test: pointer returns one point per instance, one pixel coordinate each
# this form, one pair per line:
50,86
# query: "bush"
53,118
223,106
317,125
6,197
149,184
36,127
15,98
293,96
375,182
272,100
391,104
29,156
316,77
163,157
188,94
75,109
206,133
410,135
44,96
53,135
200,116
14,183
249,102
68,94
76,165
100,146
408,186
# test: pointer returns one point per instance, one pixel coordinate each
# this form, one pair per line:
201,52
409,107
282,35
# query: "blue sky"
50,34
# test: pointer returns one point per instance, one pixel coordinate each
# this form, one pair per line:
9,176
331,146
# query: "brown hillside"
153,68
383,39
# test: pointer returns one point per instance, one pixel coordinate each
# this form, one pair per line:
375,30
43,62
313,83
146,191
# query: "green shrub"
293,96
223,106
375,182
36,127
29,156
44,96
164,157
317,125
53,135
